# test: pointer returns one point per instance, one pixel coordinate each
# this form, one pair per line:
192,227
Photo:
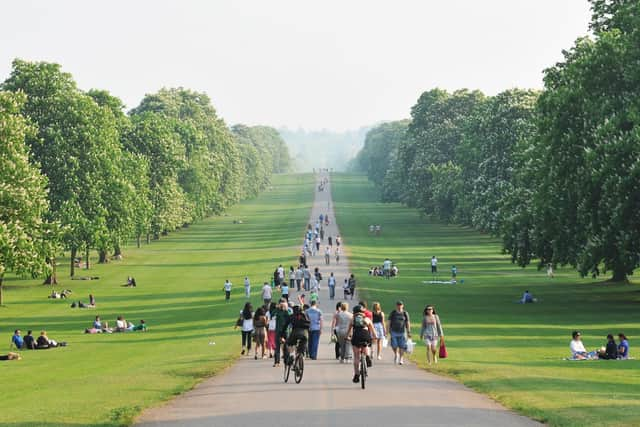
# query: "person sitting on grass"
44,342
578,352
394,271
610,351
16,340
623,347
527,298
121,324
131,282
30,341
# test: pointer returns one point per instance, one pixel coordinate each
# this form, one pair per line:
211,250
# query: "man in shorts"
399,325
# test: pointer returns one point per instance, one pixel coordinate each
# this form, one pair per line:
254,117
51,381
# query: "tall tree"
25,239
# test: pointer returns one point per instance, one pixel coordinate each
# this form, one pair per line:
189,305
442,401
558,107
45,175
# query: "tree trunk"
138,240
1,290
117,251
148,238
74,252
52,279
102,256
619,275
86,255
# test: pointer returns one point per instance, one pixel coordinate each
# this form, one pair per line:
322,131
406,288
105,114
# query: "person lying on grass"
578,352
98,327
10,356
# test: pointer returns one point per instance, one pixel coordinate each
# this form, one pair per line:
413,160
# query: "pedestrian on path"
246,321
321,233
431,332
338,240
227,290
338,255
352,285
282,316
378,326
330,240
399,329
318,242
266,294
345,288
271,328
341,322
318,277
331,282
327,255
315,328
247,287
260,332
307,278
292,277
299,277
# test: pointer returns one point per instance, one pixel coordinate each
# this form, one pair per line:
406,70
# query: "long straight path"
252,392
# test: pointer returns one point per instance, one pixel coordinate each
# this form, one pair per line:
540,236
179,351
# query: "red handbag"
443,349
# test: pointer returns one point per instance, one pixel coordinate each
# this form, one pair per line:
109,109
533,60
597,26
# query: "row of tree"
77,173
555,173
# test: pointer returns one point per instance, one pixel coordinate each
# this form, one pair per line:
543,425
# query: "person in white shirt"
247,287
337,254
577,348
332,286
266,294
434,265
227,290
327,255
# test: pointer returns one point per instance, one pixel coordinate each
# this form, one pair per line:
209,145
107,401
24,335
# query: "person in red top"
367,313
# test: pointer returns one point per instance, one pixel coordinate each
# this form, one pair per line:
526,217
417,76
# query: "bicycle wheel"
287,370
298,369
363,370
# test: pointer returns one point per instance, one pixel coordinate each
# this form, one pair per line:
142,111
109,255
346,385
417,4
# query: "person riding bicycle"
299,330
361,331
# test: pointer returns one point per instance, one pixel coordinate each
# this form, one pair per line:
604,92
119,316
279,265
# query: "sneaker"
379,357
255,357
356,379
242,352
368,361
275,365
395,358
401,361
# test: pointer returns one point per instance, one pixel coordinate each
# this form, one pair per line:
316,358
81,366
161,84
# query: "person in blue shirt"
623,347
16,340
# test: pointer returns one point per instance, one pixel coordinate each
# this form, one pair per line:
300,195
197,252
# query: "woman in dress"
431,332
260,331
378,326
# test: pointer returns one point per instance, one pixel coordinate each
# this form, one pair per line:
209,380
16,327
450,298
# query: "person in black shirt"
29,341
608,352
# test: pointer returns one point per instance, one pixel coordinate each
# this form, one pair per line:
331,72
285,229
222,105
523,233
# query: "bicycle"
297,364
363,366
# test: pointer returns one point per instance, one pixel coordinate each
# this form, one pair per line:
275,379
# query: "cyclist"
299,331
361,331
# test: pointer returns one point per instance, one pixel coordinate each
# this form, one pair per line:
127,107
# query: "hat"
399,302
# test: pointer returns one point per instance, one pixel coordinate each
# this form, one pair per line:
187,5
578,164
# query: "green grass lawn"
106,379
509,351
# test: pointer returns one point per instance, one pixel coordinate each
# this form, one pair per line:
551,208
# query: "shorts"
297,337
361,339
434,269
398,340
431,341
379,328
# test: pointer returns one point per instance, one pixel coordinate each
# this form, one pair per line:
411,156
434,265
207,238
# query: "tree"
380,149
24,233
77,147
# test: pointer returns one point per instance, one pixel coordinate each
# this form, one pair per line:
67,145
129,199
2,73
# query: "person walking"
341,322
247,287
318,277
227,290
292,277
321,233
315,329
318,242
271,328
306,274
352,285
299,276
266,294
282,316
246,321
338,240
399,329
260,332
431,332
331,282
378,326
338,255
345,288
327,255
330,241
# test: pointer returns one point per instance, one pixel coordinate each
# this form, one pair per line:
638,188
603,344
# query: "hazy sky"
296,63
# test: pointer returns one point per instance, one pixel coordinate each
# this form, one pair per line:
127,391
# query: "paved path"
252,392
